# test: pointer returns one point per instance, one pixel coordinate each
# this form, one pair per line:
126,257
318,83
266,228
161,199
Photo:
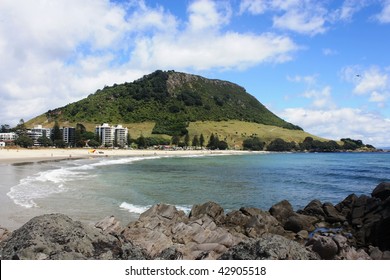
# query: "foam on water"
44,184
132,208
139,209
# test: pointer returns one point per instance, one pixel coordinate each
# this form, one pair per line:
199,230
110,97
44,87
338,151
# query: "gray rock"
270,247
282,211
382,191
211,209
324,246
57,236
332,215
314,208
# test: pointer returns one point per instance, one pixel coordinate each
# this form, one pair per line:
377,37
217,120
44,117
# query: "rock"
109,225
298,222
57,236
170,253
282,211
252,222
375,253
4,234
386,255
270,247
341,242
314,208
211,209
345,207
189,236
332,215
382,191
352,254
324,246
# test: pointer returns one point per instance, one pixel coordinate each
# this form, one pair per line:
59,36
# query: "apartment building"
112,135
37,132
69,136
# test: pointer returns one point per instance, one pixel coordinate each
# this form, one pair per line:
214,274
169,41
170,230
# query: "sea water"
91,189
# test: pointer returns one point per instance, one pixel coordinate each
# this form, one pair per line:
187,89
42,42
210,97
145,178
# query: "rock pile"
356,228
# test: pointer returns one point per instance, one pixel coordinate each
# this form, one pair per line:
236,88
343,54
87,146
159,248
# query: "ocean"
91,189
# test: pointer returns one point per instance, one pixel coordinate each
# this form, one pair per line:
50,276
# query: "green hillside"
171,100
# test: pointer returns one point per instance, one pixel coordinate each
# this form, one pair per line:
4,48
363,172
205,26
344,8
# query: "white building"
120,136
7,137
37,132
112,135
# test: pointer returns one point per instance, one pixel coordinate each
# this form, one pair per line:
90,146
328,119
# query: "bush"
253,144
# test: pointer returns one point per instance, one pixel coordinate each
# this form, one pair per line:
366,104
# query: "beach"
11,156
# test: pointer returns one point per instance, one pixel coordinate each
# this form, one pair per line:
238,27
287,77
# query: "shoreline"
26,156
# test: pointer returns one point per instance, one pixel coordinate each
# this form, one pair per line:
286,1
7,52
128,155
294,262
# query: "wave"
139,209
44,184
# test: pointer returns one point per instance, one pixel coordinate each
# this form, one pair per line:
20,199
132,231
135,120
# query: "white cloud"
53,53
341,123
255,7
301,21
348,9
329,52
321,98
371,80
305,17
384,15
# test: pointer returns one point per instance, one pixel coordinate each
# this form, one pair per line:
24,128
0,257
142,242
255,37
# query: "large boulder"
269,247
252,222
58,237
211,209
382,191
290,220
324,246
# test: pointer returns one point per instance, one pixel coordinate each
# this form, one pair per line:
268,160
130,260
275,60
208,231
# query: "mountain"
171,100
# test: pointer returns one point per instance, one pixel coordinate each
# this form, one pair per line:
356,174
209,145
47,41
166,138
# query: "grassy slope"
232,131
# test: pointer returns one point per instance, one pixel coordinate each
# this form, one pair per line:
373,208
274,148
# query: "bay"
90,189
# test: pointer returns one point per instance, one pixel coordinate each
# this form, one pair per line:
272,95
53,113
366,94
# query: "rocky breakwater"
356,228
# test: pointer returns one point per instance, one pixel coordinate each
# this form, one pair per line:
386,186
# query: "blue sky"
323,65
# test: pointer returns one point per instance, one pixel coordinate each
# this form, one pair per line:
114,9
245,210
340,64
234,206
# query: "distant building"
69,136
8,137
37,132
112,135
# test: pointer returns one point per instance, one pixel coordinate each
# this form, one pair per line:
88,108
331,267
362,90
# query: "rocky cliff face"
356,228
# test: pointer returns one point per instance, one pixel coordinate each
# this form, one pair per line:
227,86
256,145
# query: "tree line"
308,145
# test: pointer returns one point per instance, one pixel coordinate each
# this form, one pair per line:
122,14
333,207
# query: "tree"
279,145
253,143
21,129
44,141
24,141
175,140
213,142
186,140
201,140
56,134
141,142
222,145
5,128
195,141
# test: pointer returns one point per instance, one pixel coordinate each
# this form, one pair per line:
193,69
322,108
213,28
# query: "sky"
322,65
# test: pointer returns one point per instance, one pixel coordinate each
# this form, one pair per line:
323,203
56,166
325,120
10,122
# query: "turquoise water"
91,189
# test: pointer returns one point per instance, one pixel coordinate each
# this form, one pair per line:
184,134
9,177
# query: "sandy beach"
10,156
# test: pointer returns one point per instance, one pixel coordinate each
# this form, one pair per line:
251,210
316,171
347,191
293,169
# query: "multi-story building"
68,135
112,135
120,137
7,137
37,132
